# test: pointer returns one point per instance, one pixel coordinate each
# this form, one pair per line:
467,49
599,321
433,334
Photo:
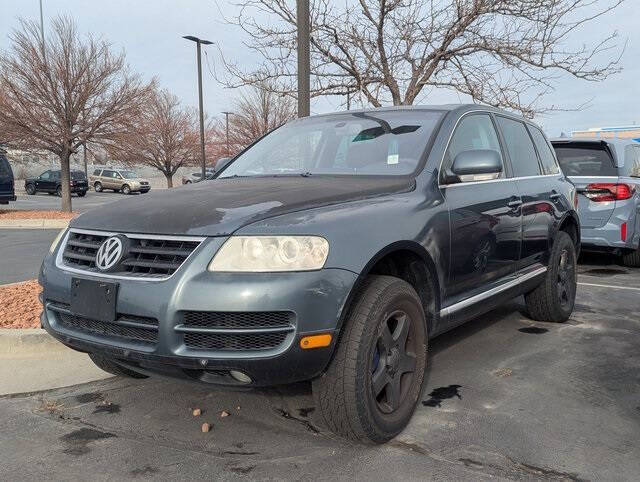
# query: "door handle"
515,204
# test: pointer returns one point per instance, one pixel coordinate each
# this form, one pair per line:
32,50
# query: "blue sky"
150,32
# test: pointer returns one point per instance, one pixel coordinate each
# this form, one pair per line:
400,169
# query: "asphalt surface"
46,202
507,399
22,252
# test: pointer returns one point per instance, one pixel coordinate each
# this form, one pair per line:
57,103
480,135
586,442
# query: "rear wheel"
632,259
554,298
126,189
97,187
30,189
59,191
372,386
82,193
110,366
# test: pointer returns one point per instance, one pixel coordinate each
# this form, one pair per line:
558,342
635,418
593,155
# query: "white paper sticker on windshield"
392,159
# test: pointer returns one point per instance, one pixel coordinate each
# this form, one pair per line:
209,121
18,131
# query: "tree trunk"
169,180
65,179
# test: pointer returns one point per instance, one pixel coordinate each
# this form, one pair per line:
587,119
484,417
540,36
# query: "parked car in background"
118,180
50,182
607,176
334,261
7,187
197,176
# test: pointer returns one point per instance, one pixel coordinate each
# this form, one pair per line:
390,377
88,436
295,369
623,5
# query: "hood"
221,206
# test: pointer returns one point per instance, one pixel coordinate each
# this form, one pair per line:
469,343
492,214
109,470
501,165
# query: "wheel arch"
570,224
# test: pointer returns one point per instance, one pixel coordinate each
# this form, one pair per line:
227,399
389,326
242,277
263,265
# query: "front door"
484,214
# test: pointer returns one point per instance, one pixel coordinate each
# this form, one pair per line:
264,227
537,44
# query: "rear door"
591,167
6,180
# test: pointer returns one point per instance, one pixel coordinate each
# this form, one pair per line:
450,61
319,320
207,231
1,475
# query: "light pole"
198,43
227,114
304,67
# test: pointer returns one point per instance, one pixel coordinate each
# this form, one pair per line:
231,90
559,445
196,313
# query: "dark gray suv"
331,250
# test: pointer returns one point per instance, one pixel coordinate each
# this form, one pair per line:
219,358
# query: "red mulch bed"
19,305
28,214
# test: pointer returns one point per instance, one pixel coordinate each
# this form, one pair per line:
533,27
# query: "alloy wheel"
565,280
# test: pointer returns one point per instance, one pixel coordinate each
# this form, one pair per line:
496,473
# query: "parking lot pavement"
506,398
43,201
22,252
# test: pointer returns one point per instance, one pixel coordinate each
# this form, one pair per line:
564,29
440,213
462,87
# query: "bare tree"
505,53
64,94
164,137
256,111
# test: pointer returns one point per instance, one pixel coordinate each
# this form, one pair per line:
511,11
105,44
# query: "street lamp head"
197,40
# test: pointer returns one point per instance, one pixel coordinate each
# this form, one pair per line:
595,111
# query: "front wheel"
30,189
554,298
632,259
126,189
372,386
59,191
82,193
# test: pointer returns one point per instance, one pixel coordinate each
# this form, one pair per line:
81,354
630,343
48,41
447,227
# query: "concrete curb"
34,223
28,342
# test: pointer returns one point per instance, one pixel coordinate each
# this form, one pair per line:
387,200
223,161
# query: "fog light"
241,377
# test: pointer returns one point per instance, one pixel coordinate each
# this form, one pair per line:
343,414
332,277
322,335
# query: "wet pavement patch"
309,426
144,471
107,408
442,393
533,330
605,271
78,440
89,397
242,470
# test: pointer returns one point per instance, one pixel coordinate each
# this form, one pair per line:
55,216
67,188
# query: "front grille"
153,258
234,342
225,331
222,319
125,328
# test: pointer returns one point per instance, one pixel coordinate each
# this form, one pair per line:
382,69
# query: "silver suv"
606,174
118,180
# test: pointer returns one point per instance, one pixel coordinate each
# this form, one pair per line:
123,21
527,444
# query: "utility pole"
41,25
84,158
304,65
227,114
198,43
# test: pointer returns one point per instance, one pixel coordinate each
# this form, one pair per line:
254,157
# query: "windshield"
128,174
585,161
376,143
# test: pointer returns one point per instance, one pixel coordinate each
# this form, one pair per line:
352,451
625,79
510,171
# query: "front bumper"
317,298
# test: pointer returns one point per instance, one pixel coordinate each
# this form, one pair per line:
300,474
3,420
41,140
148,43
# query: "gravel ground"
34,214
19,305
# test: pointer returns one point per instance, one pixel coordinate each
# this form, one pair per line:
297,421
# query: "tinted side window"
547,159
107,173
524,160
5,168
631,161
474,131
55,175
97,172
45,175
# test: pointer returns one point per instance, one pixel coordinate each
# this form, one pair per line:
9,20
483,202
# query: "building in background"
623,132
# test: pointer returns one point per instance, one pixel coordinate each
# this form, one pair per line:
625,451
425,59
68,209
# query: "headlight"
261,254
56,241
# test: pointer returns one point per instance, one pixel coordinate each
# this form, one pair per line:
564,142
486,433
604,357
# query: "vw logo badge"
110,253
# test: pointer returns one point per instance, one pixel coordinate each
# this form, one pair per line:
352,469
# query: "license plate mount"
94,299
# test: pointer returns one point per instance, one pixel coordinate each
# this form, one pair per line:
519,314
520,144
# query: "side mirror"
478,161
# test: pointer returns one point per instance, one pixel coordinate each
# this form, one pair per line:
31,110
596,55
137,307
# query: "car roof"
616,145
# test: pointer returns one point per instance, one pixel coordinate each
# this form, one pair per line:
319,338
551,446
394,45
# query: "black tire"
632,259
126,189
59,191
30,189
554,298
82,193
345,395
97,186
110,366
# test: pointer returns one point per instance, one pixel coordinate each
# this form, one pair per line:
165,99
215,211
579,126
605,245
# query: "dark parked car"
7,191
50,182
606,173
331,250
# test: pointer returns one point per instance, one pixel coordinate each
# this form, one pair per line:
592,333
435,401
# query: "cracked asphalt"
506,399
